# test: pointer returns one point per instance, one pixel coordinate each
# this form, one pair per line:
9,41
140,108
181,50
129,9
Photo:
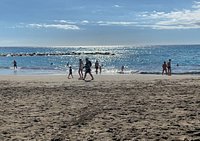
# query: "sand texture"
121,110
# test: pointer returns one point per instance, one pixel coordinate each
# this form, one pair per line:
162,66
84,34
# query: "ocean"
136,59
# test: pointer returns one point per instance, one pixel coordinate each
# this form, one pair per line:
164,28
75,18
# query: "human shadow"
87,80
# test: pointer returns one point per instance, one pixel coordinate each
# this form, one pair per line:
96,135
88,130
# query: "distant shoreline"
51,72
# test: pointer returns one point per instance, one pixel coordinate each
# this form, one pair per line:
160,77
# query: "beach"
111,107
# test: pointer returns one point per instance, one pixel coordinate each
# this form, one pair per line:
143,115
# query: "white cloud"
182,19
177,19
64,22
84,22
114,23
116,6
35,25
196,5
57,26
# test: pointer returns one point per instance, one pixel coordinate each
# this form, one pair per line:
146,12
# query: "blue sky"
98,22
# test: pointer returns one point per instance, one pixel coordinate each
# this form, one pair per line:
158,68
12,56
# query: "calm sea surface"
147,59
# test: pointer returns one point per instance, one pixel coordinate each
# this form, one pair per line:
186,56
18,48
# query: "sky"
99,22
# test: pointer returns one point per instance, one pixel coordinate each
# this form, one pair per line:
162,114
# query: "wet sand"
114,107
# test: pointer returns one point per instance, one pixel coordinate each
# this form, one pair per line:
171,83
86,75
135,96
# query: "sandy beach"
111,107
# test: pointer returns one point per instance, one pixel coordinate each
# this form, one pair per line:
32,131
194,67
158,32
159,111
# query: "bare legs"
80,72
70,75
89,74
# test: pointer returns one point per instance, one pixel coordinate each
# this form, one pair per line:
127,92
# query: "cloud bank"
158,20
182,19
57,26
116,23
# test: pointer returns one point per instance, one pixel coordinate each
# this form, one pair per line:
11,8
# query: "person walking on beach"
122,69
96,66
88,69
15,64
100,68
169,67
80,70
70,72
164,68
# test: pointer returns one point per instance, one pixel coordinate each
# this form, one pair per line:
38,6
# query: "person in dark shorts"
169,67
122,69
15,64
88,69
96,66
100,68
70,72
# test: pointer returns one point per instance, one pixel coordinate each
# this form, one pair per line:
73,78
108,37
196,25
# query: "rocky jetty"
58,54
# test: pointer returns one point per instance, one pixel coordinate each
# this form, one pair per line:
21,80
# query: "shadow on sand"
87,80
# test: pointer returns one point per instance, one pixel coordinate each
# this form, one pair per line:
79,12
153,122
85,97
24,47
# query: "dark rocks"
58,54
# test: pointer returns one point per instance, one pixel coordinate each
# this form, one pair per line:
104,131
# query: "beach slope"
122,107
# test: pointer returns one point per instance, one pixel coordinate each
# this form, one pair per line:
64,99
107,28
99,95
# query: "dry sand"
117,107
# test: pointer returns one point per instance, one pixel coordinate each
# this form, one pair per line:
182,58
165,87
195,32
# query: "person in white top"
80,70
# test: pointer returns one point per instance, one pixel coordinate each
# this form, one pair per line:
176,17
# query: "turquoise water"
146,59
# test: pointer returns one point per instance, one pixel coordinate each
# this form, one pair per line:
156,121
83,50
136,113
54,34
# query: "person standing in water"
122,69
100,68
88,69
80,70
169,67
15,64
96,66
164,68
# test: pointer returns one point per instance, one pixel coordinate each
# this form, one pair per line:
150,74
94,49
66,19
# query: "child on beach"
70,72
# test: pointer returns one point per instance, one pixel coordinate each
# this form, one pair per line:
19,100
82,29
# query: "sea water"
136,59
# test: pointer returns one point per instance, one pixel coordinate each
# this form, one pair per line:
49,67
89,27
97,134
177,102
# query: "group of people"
166,68
87,68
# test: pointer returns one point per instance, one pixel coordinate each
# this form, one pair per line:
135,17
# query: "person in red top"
164,68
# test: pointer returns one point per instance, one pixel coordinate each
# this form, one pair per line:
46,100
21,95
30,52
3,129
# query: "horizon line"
87,46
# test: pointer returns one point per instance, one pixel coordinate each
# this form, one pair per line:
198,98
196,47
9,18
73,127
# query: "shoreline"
38,71
99,77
